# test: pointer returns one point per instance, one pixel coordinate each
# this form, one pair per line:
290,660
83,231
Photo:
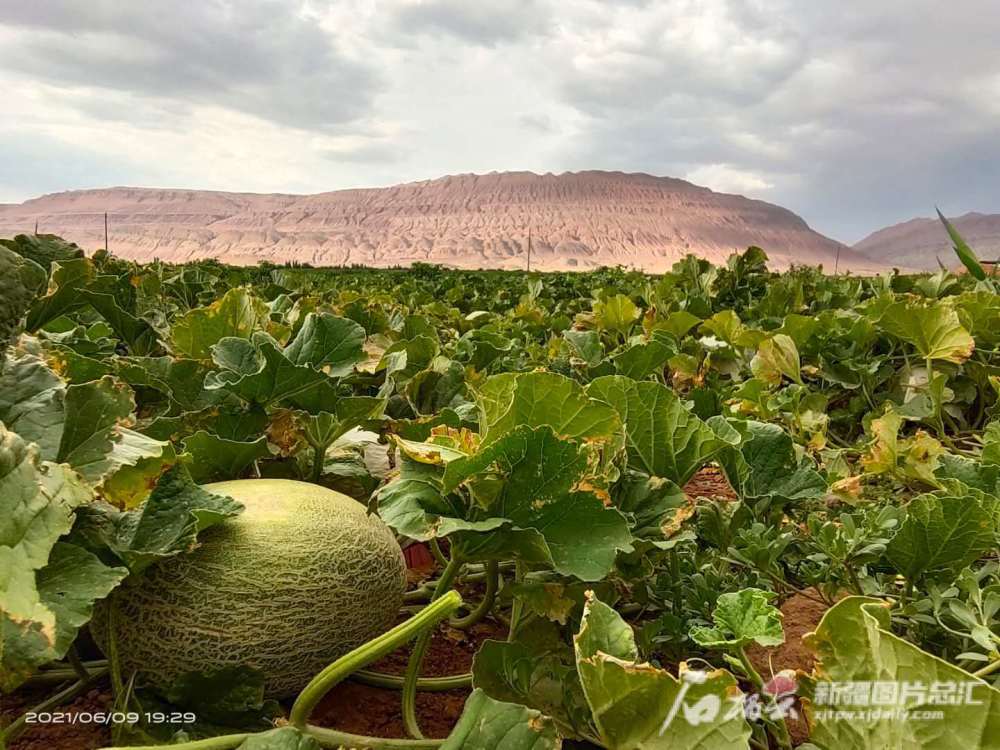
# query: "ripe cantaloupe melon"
298,579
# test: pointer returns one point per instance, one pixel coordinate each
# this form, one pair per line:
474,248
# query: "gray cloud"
261,57
487,23
853,114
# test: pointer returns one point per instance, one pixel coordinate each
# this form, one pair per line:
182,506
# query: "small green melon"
298,579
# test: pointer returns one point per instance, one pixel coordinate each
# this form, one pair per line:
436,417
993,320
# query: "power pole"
106,232
36,227
836,263
529,249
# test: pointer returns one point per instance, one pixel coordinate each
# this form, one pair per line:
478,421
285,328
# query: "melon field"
288,508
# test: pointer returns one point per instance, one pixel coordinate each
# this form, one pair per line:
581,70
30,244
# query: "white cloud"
725,179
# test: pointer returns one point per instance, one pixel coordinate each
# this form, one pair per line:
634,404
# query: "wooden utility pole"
36,227
106,232
529,249
836,263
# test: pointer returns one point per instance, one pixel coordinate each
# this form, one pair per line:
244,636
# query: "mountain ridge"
921,241
577,220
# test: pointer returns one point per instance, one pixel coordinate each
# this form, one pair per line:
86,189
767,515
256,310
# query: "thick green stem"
427,684
374,650
330,738
987,670
489,599
442,591
319,458
437,554
518,605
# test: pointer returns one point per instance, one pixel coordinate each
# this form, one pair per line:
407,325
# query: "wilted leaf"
638,706
854,645
487,724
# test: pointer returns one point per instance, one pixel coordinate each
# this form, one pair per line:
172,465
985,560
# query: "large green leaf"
215,458
616,313
326,342
766,467
540,477
282,738
236,314
167,524
92,424
777,357
742,617
138,334
855,646
662,437
934,330
43,249
32,401
36,504
488,724
541,398
637,706
261,374
942,533
20,281
66,280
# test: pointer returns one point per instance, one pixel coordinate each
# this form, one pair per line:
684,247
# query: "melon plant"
301,577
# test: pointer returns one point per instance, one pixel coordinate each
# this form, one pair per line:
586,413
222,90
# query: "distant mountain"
576,220
919,243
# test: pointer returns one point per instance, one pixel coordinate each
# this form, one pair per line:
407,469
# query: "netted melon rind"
303,576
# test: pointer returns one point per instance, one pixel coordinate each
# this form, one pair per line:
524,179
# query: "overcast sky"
853,113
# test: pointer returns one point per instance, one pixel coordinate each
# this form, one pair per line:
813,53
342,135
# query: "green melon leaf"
777,357
66,281
261,374
282,738
540,476
941,534
181,381
962,250
662,437
36,502
32,401
640,361
95,413
765,466
328,343
541,398
933,330
20,282
854,644
587,345
488,724
138,334
741,618
43,249
637,706
214,458
616,313
167,524
236,314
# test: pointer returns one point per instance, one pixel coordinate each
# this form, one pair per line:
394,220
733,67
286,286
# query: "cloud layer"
854,114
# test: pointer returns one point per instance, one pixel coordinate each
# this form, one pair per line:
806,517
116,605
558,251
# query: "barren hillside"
576,220
919,243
